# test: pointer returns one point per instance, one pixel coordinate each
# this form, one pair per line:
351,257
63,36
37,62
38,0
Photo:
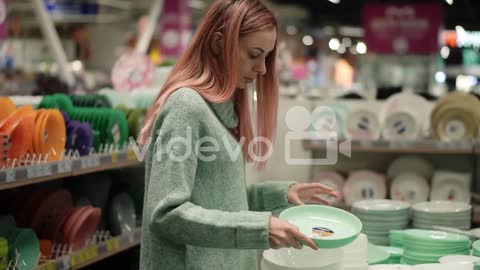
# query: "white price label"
10,175
68,165
31,172
85,163
96,161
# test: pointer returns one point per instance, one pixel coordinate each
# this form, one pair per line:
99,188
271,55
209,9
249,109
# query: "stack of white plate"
355,256
442,213
380,216
306,258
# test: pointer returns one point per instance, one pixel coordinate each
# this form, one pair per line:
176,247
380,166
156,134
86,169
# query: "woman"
198,212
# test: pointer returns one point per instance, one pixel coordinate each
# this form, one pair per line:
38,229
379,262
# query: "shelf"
420,147
29,175
94,253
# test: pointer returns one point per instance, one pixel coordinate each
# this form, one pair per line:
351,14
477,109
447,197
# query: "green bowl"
328,227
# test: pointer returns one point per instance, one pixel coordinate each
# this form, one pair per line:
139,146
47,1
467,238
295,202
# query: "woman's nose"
261,69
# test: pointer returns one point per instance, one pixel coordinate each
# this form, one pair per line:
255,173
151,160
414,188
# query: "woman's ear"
217,43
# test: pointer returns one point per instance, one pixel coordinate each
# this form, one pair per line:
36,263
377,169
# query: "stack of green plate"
476,248
426,246
3,253
57,101
476,266
396,238
377,255
91,101
395,254
111,124
380,216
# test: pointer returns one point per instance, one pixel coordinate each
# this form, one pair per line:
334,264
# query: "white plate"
442,207
364,185
411,164
122,214
438,266
409,187
363,124
401,126
461,259
381,205
451,191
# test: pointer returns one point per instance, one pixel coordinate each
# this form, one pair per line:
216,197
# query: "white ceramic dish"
122,214
381,205
460,259
410,187
442,207
412,164
364,185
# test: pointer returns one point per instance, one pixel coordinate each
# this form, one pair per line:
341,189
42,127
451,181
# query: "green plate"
436,236
328,227
377,255
25,243
476,246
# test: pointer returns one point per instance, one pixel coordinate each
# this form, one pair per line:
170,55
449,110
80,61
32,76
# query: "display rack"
420,147
103,248
12,177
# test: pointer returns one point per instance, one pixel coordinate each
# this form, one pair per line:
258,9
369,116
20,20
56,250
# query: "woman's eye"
253,56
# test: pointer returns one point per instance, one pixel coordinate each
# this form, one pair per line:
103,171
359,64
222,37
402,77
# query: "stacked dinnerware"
380,216
442,213
428,246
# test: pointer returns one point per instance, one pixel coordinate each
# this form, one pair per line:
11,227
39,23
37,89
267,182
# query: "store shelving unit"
49,171
94,253
420,147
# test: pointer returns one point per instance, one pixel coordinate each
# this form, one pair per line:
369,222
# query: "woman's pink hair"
204,72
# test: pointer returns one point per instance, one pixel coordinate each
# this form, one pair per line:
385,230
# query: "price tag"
39,172
68,165
96,161
113,244
31,172
91,253
77,258
48,266
85,163
10,175
366,143
399,144
114,157
131,155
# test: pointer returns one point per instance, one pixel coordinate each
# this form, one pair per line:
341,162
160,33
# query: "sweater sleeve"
269,196
171,214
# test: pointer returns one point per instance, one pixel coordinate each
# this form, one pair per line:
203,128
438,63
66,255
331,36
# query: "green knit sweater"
199,213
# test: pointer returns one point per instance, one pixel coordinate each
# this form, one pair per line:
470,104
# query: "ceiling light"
361,48
334,44
307,40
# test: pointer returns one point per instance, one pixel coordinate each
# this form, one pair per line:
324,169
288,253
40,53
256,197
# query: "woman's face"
253,51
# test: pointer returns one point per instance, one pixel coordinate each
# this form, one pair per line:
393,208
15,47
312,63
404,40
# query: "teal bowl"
328,227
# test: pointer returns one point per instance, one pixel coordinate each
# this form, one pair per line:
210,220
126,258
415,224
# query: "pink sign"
3,20
402,29
175,23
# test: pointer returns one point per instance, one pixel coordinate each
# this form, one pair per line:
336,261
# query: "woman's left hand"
298,194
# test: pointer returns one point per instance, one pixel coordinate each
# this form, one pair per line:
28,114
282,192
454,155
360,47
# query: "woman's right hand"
284,234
